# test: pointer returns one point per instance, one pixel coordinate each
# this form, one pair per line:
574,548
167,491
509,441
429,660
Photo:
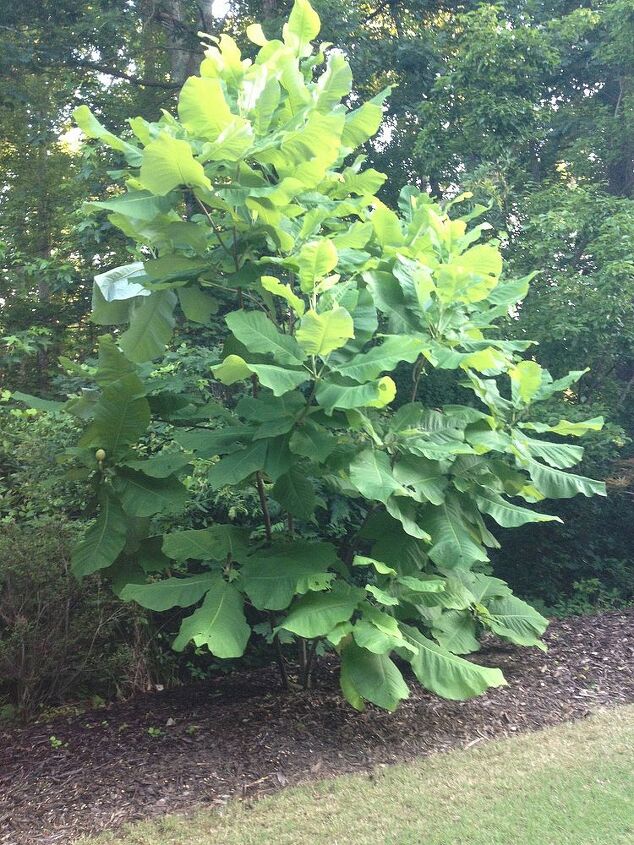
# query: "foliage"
58,638
252,204
33,484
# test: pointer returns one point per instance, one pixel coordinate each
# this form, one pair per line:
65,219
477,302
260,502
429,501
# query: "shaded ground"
238,736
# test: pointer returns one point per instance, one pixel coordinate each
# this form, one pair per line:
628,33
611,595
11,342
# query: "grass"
569,785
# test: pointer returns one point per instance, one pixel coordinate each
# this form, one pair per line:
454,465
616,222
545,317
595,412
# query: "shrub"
60,639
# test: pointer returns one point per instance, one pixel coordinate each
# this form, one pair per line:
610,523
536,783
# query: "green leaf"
526,379
161,465
119,283
197,305
219,623
447,675
315,614
565,428
217,542
507,514
374,394
454,540
302,27
310,440
273,285
373,677
427,584
361,124
371,473
91,127
422,479
279,380
170,592
295,493
455,631
559,455
120,417
143,496
168,163
407,513
139,205
151,324
271,577
321,334
556,484
315,260
516,621
203,109
335,82
236,467
381,596
368,636
103,542
258,334
371,364
381,568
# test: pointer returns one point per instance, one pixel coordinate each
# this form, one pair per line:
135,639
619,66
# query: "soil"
240,736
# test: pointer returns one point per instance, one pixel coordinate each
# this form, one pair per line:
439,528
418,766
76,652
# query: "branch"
118,74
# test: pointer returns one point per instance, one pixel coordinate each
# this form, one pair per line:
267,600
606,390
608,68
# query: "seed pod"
100,455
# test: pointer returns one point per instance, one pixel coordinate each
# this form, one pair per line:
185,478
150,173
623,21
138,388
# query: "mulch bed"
238,736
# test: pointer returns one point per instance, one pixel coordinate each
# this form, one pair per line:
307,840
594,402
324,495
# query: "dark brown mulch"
238,736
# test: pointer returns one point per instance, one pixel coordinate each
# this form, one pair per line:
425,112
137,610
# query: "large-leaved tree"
253,206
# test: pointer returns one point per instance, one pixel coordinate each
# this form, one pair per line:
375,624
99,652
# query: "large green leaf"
151,324
217,542
515,620
144,496
278,379
315,260
121,283
507,514
371,364
140,205
234,468
120,417
371,473
455,631
566,428
423,479
446,674
202,107
91,127
310,440
373,677
303,25
271,577
161,465
315,614
295,493
559,455
321,334
197,305
170,592
374,394
168,163
556,484
526,379
258,334
219,623
454,540
103,542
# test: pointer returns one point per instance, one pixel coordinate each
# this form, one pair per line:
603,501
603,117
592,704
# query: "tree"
253,205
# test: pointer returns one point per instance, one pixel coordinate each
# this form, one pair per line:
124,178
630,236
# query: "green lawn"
570,785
